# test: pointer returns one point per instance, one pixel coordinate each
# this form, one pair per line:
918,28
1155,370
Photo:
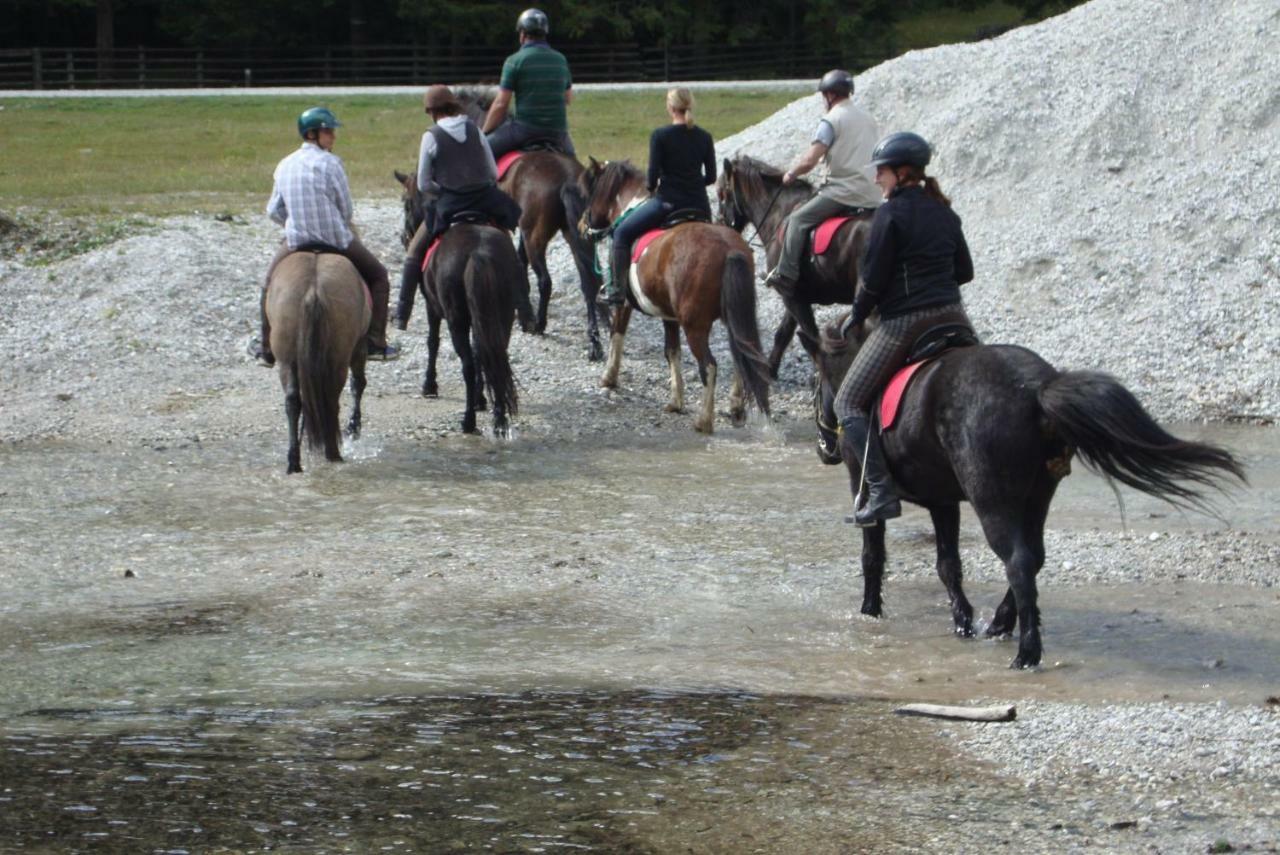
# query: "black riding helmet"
837,81
902,149
533,22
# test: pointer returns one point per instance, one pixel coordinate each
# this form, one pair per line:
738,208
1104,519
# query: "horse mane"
475,98
614,177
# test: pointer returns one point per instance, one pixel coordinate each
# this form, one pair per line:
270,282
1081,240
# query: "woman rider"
915,262
682,164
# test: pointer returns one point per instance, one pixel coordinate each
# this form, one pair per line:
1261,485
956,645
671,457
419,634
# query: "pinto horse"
545,185
997,426
750,191
690,276
319,311
472,278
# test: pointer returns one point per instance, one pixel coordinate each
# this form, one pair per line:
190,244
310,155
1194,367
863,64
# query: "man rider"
456,171
538,78
312,200
844,139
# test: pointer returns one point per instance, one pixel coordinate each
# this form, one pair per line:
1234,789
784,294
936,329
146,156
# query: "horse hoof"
702,427
595,354
872,610
738,417
606,383
672,408
431,390
1022,663
292,469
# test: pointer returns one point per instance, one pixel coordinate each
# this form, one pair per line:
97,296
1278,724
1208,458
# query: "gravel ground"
1117,169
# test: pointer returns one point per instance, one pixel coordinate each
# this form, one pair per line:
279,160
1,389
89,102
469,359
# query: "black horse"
751,191
997,426
474,280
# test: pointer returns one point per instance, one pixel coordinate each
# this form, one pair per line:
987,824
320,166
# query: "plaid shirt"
311,198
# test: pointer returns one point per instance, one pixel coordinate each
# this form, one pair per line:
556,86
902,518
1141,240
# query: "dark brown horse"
545,186
473,280
691,276
997,426
319,312
750,191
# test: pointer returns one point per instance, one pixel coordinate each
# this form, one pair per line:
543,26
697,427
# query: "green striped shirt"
539,77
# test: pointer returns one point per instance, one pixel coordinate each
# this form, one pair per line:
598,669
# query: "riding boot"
881,502
615,288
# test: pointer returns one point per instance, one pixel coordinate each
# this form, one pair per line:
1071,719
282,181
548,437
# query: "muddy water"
528,646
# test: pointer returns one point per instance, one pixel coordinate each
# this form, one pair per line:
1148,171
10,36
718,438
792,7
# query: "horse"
319,311
546,187
997,426
692,275
751,191
472,279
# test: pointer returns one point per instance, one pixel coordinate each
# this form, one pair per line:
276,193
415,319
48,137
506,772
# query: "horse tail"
317,370
1105,423
491,301
738,309
574,201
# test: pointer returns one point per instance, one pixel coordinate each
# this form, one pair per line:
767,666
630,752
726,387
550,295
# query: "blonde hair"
680,99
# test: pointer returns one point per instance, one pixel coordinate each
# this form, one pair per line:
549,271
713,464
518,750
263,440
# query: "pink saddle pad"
642,243
823,234
504,162
891,399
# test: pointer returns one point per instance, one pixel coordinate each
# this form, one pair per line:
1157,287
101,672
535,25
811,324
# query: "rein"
756,237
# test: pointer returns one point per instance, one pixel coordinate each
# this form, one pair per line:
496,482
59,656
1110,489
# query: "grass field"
159,156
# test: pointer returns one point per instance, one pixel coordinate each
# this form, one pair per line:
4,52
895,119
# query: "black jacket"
682,165
916,257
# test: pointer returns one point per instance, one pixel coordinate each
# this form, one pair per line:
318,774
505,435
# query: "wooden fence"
152,68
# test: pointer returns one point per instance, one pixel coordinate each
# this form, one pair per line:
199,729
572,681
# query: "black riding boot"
881,502
615,290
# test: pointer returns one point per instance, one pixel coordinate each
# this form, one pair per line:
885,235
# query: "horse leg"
481,403
590,290
737,401
524,309
946,528
620,320
1005,531
671,350
538,259
460,333
293,413
430,387
873,561
701,349
357,387
781,339
1005,619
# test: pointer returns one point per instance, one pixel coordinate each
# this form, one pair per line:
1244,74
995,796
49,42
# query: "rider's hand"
788,177
848,326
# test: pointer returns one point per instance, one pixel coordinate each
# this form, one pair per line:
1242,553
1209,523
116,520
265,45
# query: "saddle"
327,249
504,162
931,344
827,229
675,218
469,218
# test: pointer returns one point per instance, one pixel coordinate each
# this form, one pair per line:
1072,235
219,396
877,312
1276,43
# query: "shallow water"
309,645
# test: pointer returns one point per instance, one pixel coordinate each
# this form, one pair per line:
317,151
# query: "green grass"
107,157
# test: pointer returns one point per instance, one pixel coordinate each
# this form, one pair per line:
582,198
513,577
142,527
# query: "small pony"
690,276
319,311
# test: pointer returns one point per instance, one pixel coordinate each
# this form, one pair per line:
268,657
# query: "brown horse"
750,191
546,187
692,275
319,312
472,279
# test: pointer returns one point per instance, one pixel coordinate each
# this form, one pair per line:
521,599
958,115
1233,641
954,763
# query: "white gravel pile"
1118,172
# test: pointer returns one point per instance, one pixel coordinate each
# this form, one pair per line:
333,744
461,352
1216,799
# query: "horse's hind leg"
1006,617
524,309
873,560
946,528
700,346
781,339
590,286
538,259
293,413
1007,533
671,350
357,388
460,333
481,403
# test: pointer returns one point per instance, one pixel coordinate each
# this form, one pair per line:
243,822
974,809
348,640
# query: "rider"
538,77
843,140
915,262
456,171
682,164
312,200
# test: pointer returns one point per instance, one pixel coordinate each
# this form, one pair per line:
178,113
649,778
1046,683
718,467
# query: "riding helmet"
837,81
315,119
533,22
902,149
439,97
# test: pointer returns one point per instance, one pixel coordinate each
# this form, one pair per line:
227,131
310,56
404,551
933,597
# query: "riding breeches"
512,136
370,270
800,223
649,215
885,351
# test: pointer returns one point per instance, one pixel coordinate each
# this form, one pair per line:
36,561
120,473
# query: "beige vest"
850,177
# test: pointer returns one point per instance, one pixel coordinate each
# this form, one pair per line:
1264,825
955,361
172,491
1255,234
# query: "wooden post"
200,69
37,68
71,70
142,67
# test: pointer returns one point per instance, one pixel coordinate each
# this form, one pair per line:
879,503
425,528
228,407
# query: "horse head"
832,361
730,211
475,100
414,205
608,188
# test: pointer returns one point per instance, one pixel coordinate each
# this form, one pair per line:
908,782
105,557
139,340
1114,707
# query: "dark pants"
370,270
884,352
501,208
512,136
649,215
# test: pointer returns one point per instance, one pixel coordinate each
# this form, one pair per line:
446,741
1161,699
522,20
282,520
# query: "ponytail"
680,99
934,189
908,174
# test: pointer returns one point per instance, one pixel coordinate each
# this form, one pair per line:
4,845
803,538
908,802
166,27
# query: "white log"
1001,713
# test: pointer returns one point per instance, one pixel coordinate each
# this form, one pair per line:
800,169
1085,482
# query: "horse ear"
401,177
595,164
728,166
